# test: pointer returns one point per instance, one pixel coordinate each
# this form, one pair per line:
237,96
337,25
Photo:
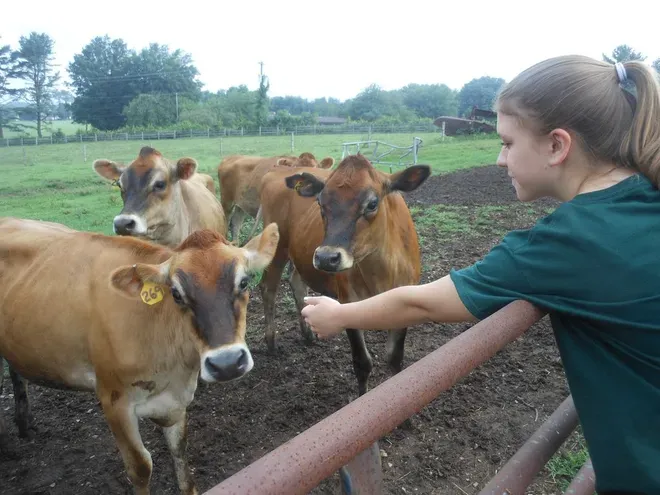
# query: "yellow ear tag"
151,293
298,185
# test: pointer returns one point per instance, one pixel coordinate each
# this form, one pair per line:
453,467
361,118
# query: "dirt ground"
453,446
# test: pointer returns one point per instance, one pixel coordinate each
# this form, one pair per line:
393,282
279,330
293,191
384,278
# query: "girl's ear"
560,144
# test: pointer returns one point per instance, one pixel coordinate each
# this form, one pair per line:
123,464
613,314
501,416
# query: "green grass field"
68,127
56,182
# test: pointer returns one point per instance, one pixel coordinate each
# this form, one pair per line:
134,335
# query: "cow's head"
305,159
207,280
150,190
353,204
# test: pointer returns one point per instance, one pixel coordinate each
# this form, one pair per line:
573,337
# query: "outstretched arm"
396,308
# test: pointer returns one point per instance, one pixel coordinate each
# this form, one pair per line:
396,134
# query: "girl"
570,131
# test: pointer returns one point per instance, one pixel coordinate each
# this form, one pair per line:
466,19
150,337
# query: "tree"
100,76
156,70
480,92
262,98
62,100
107,76
656,65
8,72
430,100
151,110
623,53
373,103
35,65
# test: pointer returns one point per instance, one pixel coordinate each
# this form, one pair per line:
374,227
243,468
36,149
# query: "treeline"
113,88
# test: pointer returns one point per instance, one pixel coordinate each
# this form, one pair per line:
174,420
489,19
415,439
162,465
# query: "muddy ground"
453,446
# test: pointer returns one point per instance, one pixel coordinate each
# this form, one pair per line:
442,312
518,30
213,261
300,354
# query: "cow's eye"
159,185
371,205
176,295
243,285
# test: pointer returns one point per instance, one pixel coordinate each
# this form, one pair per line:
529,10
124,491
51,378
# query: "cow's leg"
270,281
257,219
362,362
22,412
394,352
235,224
176,437
124,426
395,349
299,290
4,437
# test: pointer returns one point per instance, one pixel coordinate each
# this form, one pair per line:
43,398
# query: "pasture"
452,447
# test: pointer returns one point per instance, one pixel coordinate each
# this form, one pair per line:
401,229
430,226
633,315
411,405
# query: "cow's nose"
228,364
124,225
328,261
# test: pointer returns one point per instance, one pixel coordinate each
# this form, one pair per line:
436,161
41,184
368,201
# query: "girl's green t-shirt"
594,265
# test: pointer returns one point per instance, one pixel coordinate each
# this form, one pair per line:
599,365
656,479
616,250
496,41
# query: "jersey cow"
240,177
164,202
205,179
132,321
350,236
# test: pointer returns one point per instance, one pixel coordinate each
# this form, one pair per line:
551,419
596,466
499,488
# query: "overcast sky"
337,48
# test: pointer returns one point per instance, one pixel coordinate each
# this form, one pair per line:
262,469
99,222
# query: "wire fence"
82,137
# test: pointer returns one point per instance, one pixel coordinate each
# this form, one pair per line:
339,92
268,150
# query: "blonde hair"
583,95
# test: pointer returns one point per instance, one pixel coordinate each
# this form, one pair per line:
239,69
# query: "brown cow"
161,202
240,176
132,321
350,236
205,179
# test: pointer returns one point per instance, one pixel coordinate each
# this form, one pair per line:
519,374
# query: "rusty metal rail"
516,475
303,462
584,482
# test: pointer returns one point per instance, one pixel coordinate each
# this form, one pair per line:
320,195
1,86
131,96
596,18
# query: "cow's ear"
259,251
107,169
185,168
409,178
131,280
327,162
305,184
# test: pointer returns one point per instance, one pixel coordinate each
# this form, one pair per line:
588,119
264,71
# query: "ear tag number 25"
151,293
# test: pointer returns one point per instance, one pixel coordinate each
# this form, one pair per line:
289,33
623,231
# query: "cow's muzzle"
332,259
129,225
226,364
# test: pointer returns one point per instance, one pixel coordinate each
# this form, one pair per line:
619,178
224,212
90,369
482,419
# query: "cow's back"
56,305
248,189
203,208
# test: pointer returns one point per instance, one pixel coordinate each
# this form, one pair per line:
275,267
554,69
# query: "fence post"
220,146
292,142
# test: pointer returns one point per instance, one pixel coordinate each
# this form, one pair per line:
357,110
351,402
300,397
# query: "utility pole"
176,99
261,72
